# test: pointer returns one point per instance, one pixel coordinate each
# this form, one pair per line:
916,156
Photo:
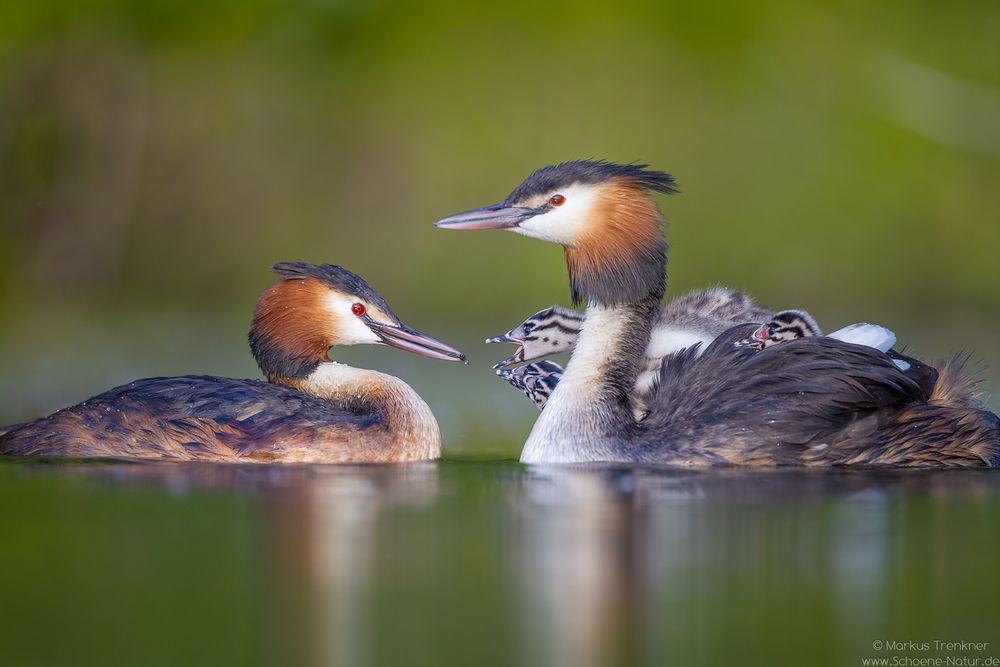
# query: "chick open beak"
404,338
505,338
490,217
756,340
515,358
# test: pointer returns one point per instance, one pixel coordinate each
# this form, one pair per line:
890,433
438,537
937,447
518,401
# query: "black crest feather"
554,177
335,277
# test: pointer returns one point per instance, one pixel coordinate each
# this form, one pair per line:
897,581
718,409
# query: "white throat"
410,424
571,428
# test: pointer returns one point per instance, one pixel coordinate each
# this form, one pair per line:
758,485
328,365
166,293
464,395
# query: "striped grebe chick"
311,409
789,325
784,326
816,401
536,380
552,330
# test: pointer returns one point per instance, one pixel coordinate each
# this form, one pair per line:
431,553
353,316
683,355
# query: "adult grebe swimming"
811,401
311,410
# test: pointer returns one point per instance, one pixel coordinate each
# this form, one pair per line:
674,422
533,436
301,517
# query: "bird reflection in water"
575,565
579,566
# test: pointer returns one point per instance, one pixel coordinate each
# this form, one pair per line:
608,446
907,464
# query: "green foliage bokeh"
156,158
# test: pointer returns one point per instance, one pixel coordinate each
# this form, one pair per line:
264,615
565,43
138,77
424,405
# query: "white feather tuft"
871,335
668,340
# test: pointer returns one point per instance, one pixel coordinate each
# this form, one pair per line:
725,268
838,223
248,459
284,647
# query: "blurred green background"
157,157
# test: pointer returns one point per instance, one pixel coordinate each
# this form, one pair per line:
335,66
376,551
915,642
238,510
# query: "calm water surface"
472,563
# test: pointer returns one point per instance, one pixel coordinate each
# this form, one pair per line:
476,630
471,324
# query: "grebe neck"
401,420
589,415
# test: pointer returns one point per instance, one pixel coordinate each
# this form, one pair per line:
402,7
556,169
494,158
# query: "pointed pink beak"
490,217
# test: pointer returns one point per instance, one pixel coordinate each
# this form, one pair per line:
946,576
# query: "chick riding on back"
817,402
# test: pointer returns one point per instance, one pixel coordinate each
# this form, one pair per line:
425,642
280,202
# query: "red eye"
557,200
358,309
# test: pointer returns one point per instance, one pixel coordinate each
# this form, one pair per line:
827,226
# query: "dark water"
471,563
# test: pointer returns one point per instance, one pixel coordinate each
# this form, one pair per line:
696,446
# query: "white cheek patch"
351,330
562,224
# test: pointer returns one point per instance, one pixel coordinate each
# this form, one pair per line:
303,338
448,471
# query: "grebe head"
317,306
537,381
549,331
602,214
784,326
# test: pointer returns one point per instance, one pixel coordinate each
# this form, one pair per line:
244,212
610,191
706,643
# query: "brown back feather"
815,401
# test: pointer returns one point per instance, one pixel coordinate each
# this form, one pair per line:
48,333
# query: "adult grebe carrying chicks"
812,401
311,410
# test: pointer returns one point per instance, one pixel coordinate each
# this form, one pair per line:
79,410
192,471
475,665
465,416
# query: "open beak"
505,338
515,358
404,338
750,343
756,340
491,217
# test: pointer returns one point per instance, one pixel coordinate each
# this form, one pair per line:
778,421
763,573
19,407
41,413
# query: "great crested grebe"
697,317
311,410
814,401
